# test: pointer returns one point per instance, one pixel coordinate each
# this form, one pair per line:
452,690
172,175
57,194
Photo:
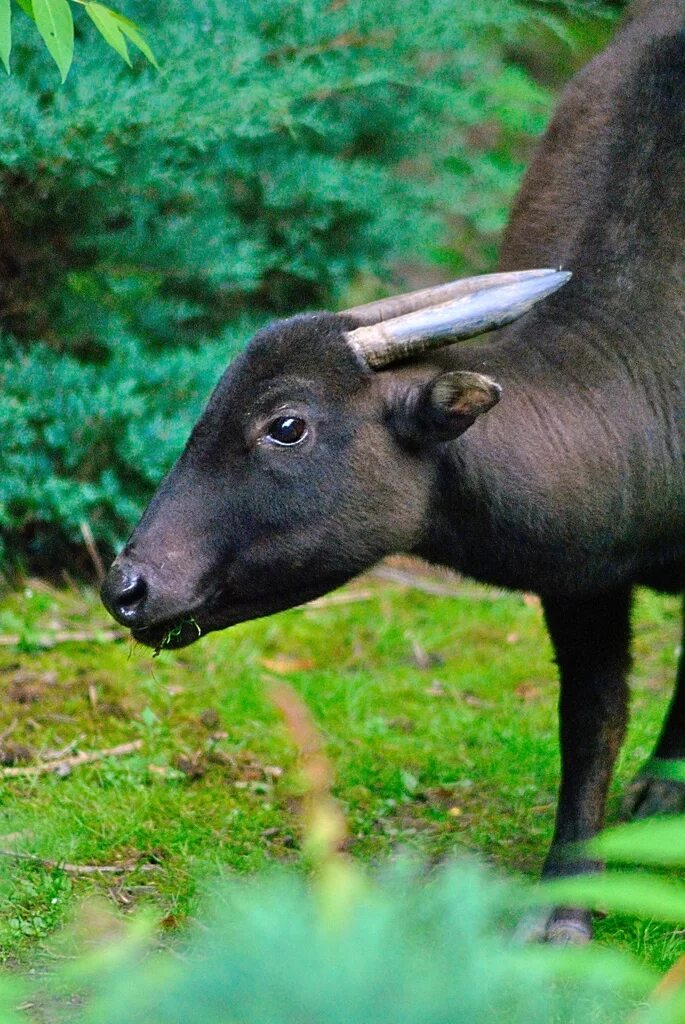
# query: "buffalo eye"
287,430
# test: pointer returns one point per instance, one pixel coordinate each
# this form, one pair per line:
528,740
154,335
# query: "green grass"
438,713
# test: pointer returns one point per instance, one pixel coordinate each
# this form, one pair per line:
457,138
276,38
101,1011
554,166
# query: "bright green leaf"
669,769
5,33
107,26
132,32
56,26
27,8
660,841
636,893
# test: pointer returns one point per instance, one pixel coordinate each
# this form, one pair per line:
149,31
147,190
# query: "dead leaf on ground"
193,766
283,664
111,709
436,689
27,687
441,798
15,753
528,692
126,897
22,693
422,658
210,718
244,769
473,700
402,723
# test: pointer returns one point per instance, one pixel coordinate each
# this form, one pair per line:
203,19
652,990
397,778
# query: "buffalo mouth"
185,629
169,636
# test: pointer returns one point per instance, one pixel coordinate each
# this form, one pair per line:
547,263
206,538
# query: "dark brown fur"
573,486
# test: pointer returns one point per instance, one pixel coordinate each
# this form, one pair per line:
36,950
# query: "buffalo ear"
442,408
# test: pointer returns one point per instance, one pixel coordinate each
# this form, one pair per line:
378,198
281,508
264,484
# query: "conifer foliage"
286,151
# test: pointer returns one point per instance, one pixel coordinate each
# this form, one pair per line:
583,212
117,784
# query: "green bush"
288,151
400,948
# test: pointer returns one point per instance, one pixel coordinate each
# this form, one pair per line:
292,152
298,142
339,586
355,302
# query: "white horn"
480,310
397,305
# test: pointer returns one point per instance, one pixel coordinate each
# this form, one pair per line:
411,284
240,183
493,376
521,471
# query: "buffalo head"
313,460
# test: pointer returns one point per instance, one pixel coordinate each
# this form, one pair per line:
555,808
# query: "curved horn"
397,305
486,309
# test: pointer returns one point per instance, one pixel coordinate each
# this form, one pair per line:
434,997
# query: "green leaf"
56,26
636,893
660,842
669,769
107,26
132,32
5,33
27,8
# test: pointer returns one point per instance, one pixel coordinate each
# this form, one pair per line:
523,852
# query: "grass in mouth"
175,632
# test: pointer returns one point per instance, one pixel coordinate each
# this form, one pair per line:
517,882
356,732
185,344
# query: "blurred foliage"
401,948
289,154
55,24
404,945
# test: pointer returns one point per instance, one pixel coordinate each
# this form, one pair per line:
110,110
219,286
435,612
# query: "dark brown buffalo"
336,439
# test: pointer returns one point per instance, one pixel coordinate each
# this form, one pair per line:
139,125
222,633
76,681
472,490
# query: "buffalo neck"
577,475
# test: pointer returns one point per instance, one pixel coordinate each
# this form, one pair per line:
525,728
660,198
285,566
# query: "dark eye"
287,430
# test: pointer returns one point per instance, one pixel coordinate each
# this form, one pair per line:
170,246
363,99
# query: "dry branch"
91,548
79,869
66,636
345,597
428,585
67,763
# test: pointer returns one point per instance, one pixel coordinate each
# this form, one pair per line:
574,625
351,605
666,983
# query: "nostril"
126,594
132,593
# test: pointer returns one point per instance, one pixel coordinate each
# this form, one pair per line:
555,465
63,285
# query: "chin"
170,636
185,629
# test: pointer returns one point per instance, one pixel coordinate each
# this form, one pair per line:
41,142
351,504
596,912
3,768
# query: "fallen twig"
65,636
346,597
67,763
9,730
418,581
79,869
11,837
91,548
58,755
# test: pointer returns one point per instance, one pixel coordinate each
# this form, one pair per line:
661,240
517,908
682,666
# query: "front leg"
591,638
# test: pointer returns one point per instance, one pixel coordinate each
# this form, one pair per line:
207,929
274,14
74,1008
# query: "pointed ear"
441,409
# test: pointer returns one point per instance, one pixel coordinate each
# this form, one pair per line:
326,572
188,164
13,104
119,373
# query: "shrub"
147,222
397,948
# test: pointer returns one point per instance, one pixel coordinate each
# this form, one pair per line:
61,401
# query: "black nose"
124,593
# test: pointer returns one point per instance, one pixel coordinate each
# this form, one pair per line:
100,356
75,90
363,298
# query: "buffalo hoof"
648,796
564,926
569,926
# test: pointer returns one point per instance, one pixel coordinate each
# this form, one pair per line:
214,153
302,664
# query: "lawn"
438,714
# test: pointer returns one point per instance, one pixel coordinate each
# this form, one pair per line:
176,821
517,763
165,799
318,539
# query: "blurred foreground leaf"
56,26
5,33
